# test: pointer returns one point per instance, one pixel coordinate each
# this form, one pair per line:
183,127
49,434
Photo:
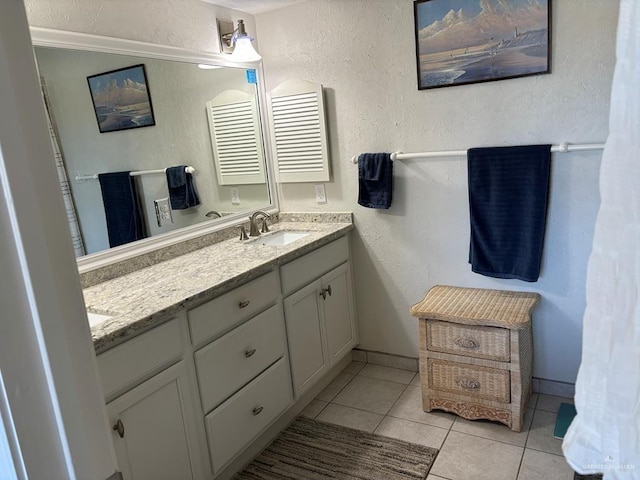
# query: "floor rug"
311,449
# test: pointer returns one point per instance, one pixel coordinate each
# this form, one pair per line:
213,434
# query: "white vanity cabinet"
186,398
151,412
319,314
243,373
150,421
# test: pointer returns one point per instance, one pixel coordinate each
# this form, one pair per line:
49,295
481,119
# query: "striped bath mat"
311,449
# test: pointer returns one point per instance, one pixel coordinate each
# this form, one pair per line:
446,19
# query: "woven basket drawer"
480,342
481,382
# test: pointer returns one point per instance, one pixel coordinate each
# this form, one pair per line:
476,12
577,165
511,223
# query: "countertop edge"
106,335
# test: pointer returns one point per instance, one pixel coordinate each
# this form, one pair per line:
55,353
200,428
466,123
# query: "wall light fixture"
237,41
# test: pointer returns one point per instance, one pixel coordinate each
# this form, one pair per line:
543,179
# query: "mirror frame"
45,37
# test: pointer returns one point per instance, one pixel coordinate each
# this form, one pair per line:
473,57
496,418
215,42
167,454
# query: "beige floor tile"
550,403
314,408
409,407
533,400
541,433
350,417
334,387
416,380
353,368
494,430
540,465
412,432
387,373
433,477
465,457
370,394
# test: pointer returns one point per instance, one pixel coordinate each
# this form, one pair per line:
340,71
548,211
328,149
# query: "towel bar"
563,147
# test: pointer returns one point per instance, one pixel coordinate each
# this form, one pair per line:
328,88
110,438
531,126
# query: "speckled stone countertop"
146,298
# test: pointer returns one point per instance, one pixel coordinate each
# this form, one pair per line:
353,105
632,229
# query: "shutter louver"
298,132
236,140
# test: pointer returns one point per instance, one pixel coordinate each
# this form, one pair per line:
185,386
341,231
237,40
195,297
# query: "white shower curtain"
605,435
72,217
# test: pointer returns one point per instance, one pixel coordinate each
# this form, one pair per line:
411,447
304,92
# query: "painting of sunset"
469,41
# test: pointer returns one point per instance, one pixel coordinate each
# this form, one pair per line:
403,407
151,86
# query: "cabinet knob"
324,291
468,384
257,410
249,352
467,343
119,427
244,303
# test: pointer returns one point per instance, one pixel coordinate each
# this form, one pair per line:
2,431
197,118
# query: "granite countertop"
146,298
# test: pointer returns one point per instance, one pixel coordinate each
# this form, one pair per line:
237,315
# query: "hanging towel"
121,207
508,190
182,191
375,179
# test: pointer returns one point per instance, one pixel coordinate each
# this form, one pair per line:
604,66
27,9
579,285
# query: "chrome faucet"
253,226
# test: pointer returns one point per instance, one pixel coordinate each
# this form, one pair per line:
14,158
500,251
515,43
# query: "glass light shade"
244,51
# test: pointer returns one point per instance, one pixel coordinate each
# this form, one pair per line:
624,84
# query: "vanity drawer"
127,365
471,341
307,268
230,362
469,380
235,423
214,317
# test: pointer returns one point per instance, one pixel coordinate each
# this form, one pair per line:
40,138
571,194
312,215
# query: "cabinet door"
339,312
305,334
155,441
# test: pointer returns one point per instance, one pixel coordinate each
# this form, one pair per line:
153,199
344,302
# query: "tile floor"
387,401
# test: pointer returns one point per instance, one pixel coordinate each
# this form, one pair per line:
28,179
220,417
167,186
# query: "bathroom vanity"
207,350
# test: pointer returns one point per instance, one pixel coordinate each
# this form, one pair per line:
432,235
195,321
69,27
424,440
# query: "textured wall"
179,23
363,52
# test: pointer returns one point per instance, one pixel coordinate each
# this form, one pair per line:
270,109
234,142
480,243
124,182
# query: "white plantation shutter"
298,132
234,124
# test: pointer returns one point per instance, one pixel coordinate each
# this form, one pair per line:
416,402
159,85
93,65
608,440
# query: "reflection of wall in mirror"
179,92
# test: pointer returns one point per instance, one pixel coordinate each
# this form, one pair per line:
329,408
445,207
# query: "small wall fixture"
237,41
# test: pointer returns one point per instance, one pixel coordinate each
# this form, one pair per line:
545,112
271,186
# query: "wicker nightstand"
476,352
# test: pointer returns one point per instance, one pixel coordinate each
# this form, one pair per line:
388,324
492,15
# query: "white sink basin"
282,238
96,318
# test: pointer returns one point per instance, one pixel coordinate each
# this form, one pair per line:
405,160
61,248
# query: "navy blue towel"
375,180
182,191
125,221
508,190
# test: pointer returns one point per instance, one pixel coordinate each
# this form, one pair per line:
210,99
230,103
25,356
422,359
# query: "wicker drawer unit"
476,352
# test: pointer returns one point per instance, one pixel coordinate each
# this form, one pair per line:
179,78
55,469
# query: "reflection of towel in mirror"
125,221
182,192
375,180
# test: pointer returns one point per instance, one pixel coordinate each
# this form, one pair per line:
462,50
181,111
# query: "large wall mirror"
208,119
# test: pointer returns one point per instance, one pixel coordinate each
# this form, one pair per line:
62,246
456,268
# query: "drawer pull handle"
467,343
468,384
249,352
244,303
257,410
119,427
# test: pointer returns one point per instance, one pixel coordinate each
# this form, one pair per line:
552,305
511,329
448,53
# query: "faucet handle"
265,227
243,233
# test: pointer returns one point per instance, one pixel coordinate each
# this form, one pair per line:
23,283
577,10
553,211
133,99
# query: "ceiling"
253,6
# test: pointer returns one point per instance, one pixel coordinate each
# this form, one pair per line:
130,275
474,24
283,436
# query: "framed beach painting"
469,41
121,99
